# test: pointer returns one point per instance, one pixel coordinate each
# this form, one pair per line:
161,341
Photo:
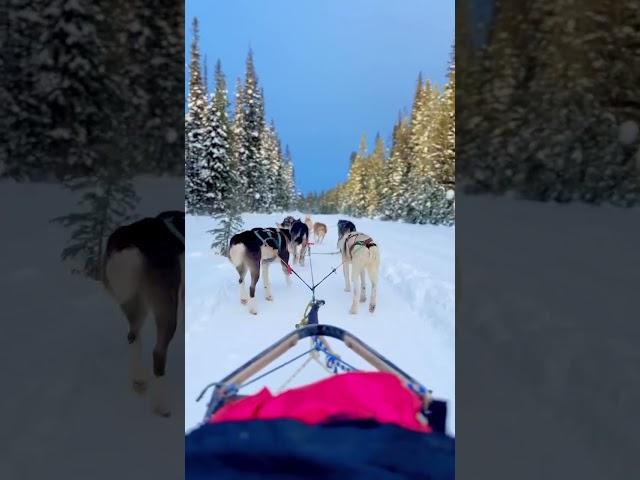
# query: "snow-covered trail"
68,407
413,324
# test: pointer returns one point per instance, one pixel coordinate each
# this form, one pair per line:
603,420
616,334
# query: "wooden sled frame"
256,364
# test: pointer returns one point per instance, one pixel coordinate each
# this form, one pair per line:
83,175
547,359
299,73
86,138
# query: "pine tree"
286,196
270,165
109,201
229,223
356,188
205,78
238,134
374,180
248,143
194,130
443,158
216,173
394,190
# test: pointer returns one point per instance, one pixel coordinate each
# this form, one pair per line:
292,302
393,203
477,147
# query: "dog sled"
382,424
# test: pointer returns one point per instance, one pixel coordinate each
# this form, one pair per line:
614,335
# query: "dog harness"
368,243
269,237
172,228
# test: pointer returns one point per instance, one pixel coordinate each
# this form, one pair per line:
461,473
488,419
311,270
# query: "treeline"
415,180
233,162
89,89
549,107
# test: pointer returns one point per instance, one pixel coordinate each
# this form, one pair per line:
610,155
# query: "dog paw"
269,298
347,289
372,308
353,310
253,312
243,301
139,385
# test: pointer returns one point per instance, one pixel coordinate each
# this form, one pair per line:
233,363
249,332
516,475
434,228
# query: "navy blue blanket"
287,449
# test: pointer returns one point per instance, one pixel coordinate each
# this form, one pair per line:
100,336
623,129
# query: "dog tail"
236,254
123,272
374,253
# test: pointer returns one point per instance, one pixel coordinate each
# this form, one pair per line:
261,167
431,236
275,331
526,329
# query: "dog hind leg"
373,268
345,270
254,270
267,283
355,278
165,308
136,311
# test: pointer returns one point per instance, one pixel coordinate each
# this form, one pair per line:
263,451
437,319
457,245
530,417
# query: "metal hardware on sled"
229,385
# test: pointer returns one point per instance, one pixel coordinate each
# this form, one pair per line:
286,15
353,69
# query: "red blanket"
348,396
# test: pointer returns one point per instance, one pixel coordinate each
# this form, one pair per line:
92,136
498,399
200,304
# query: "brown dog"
308,222
319,231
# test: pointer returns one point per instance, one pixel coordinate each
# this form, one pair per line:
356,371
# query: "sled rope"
269,372
333,364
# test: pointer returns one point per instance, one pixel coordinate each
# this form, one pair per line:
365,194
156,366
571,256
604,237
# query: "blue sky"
331,69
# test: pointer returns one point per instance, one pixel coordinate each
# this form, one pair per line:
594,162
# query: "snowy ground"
547,339
413,326
67,406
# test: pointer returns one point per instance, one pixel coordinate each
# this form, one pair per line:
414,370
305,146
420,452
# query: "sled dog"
299,237
143,271
362,253
308,222
254,250
319,231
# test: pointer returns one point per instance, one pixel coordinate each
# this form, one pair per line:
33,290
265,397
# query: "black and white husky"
362,253
254,250
144,273
299,237
345,226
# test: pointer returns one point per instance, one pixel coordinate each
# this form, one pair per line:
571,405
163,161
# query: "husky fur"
361,252
144,273
308,222
255,250
345,226
299,237
319,232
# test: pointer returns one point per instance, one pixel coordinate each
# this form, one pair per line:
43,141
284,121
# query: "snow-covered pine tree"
270,164
374,181
444,155
70,91
194,129
248,143
356,188
109,200
286,191
229,223
238,134
217,174
205,78
396,172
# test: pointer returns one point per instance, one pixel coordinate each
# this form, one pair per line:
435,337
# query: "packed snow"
413,325
68,408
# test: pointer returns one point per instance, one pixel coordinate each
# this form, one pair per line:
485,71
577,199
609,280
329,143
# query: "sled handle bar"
261,360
